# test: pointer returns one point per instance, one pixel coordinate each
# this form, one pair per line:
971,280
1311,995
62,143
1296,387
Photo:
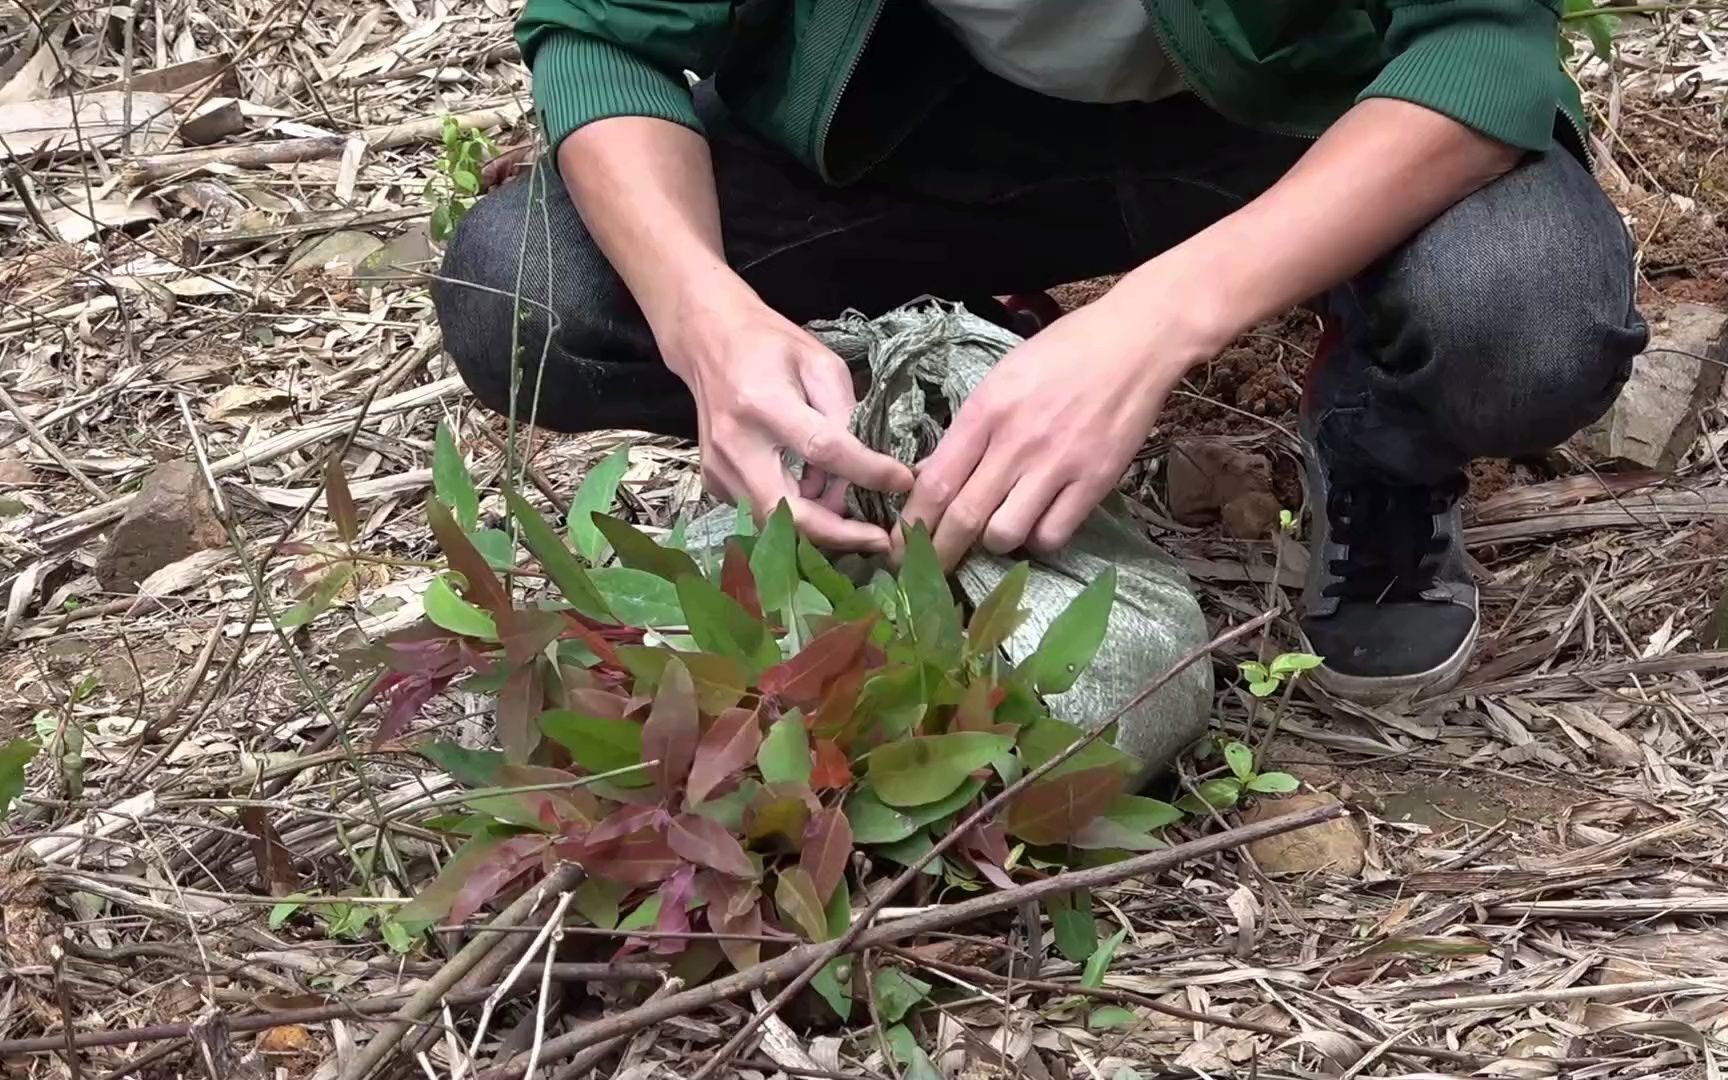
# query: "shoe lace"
1393,549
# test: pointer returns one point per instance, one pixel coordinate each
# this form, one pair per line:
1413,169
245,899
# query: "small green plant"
453,187
1287,522
14,757
1581,18
1224,792
1265,679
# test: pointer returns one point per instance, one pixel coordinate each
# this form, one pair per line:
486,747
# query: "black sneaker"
1389,604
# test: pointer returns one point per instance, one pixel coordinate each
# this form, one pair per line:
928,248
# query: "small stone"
15,471
170,518
1202,476
1335,846
1655,420
1253,516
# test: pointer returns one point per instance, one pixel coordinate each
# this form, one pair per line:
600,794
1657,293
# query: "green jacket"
839,82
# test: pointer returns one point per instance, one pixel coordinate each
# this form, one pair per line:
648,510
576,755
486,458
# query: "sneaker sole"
1387,689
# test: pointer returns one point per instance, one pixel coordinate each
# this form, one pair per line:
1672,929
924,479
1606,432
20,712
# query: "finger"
964,520
771,483
830,446
812,483
1062,520
945,472
828,387
1012,523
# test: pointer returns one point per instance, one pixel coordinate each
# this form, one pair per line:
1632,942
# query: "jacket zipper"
845,81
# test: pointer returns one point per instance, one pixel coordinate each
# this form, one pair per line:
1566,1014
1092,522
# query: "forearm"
1380,174
645,190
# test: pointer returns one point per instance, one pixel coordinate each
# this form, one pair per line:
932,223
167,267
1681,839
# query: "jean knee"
1525,296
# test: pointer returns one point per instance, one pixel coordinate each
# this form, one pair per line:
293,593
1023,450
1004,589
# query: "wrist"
1175,324
697,315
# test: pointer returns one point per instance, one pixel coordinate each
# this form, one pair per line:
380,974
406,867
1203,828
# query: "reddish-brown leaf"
625,821
484,588
804,679
670,733
531,632
977,708
706,842
502,865
988,846
833,718
726,748
795,896
832,770
557,808
601,703
734,907
827,846
577,627
339,501
642,858
675,893
737,581
520,702
1050,811
404,696
272,859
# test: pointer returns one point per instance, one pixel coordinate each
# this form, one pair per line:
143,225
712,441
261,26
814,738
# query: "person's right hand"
763,385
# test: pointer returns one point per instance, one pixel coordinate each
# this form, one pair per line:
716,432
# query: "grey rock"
1655,420
171,517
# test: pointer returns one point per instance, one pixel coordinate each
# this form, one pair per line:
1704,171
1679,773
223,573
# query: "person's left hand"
1046,435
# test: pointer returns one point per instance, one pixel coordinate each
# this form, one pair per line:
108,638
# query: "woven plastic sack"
923,361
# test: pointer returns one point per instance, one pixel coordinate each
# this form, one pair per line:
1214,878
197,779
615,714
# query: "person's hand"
1045,436
762,385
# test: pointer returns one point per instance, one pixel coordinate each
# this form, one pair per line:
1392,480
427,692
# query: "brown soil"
1678,203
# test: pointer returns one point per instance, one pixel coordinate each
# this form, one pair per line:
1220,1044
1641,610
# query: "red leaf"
624,822
531,633
670,733
802,680
520,702
412,654
554,808
1050,811
832,769
404,696
487,879
706,842
272,860
827,846
734,907
484,588
675,892
834,716
726,748
977,709
339,501
601,703
642,858
737,581
988,846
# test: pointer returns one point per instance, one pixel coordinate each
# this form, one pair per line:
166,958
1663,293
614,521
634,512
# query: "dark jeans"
1498,330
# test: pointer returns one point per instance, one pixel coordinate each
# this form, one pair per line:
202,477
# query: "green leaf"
915,771
396,936
1219,794
495,546
907,852
785,752
1106,1017
1072,925
819,572
637,549
441,225
638,598
1046,737
996,619
466,181
643,916
1240,759
322,599
897,993
599,489
1254,671
721,625
1600,29
1073,637
1291,662
915,1063
451,481
875,822
281,912
1264,687
1099,962
470,768
774,560
455,614
834,981
795,896
1142,814
930,605
1274,783
598,900
599,744
560,565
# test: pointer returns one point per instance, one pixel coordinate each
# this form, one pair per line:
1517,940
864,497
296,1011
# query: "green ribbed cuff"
1496,73
580,79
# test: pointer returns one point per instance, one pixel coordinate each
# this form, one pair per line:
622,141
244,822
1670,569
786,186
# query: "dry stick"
1646,988
428,996
47,445
580,1065
193,680
910,874
314,1014
791,963
1151,1004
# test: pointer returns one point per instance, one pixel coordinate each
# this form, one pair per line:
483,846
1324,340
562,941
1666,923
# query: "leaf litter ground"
1541,862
